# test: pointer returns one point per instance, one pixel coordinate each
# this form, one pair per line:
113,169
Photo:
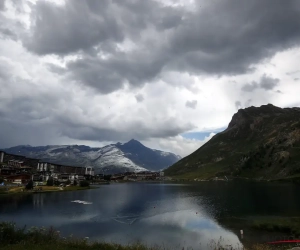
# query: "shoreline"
45,189
292,179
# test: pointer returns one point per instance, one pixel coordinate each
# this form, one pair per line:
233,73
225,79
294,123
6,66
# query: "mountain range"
259,142
113,158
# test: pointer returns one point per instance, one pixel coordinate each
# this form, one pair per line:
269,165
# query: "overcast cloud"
265,82
191,104
94,72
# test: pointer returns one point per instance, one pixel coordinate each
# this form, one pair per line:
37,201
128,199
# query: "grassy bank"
278,224
14,238
281,225
40,189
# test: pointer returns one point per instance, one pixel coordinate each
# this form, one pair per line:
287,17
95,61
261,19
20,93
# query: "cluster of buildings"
20,170
139,176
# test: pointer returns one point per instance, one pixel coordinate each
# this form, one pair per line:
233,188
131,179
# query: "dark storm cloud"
227,37
80,25
191,104
266,83
96,75
72,27
220,37
109,75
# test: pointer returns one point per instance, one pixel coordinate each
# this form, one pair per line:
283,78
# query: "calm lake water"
172,215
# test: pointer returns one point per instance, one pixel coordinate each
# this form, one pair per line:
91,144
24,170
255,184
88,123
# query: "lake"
165,214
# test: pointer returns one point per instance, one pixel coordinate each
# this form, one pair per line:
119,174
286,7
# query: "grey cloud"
292,72
96,75
2,5
109,75
250,87
191,104
73,27
220,37
81,25
139,97
23,133
56,69
138,130
238,105
296,79
7,33
266,83
248,103
279,91
45,117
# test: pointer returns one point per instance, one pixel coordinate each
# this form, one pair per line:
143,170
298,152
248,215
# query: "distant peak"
133,141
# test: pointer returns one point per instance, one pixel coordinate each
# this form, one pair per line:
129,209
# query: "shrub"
84,184
75,183
56,183
29,185
68,182
50,181
107,177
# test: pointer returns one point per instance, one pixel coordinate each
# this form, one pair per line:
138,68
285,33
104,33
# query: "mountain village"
19,170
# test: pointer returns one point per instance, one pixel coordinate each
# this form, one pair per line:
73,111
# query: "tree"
68,182
75,183
50,181
107,177
1,180
29,185
84,183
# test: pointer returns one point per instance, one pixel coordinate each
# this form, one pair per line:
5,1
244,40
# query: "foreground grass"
14,238
278,224
281,225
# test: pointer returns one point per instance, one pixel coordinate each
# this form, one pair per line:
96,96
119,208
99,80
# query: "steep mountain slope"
260,142
130,156
146,157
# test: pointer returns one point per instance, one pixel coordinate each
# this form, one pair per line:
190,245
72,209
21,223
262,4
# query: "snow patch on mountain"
130,156
110,156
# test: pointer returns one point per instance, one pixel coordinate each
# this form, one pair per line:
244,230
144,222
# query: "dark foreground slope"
260,142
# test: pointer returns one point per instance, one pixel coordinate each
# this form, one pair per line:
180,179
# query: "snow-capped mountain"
119,157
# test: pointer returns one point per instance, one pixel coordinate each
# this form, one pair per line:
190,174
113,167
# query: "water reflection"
171,215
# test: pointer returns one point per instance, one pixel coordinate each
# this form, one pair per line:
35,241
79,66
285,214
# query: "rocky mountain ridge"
260,142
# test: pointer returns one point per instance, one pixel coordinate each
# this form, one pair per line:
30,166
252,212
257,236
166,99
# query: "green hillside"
260,142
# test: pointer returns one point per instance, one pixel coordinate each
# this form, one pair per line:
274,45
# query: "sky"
168,73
